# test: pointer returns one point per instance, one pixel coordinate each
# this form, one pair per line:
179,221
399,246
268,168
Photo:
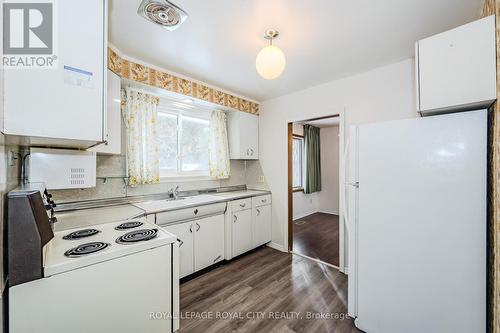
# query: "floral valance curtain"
140,114
313,159
218,148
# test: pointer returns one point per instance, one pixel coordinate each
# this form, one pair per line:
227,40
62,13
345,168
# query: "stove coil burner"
129,225
84,249
137,236
81,234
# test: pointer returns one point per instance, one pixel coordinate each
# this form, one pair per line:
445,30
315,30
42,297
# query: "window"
298,162
182,142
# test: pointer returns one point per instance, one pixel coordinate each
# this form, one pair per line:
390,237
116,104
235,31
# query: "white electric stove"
113,277
74,248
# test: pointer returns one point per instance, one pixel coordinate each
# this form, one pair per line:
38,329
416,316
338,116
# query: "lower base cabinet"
185,237
208,241
241,222
201,243
262,225
250,224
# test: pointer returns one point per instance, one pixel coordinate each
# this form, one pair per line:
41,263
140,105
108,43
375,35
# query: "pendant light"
270,61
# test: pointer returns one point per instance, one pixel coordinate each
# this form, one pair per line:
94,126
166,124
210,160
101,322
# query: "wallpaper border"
150,76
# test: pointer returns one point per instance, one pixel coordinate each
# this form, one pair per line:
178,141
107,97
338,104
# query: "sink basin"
159,205
198,199
167,204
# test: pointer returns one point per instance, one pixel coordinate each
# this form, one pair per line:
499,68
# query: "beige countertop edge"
225,197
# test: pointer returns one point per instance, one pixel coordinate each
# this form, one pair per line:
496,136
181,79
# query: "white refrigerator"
417,224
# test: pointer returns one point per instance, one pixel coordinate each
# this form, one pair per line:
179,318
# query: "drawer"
262,200
190,213
241,204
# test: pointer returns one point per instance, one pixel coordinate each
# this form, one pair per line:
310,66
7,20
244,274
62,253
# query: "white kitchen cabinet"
243,136
261,224
208,241
456,70
185,238
241,225
113,137
200,237
65,106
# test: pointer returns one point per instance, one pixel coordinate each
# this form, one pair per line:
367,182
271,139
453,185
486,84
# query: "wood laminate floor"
317,236
266,291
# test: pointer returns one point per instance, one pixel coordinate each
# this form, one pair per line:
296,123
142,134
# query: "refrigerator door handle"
346,176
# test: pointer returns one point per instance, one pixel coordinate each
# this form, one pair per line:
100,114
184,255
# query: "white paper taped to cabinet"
78,77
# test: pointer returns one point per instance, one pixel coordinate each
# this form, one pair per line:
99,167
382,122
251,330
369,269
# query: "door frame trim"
338,112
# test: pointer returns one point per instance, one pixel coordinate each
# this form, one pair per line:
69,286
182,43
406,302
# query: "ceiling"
322,39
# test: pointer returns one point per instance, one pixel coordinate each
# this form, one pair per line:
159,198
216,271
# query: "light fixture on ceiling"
270,61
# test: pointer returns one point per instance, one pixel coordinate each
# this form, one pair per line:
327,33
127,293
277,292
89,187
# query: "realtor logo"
28,34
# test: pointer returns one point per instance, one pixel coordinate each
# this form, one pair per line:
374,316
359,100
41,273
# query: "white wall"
328,198
385,93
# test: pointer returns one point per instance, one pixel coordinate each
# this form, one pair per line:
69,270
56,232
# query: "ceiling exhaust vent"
162,12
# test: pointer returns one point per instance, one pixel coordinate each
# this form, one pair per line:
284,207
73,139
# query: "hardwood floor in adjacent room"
317,236
266,291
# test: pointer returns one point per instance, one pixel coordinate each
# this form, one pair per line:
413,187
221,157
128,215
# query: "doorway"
314,170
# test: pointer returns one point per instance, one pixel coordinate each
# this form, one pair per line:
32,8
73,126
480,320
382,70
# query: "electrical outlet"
261,179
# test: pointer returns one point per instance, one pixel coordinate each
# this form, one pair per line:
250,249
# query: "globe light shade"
270,62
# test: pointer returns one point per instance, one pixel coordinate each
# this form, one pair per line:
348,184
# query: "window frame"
301,162
196,113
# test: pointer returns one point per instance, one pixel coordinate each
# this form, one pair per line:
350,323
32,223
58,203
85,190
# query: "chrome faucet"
174,192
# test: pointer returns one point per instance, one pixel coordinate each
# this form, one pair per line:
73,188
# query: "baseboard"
277,247
327,212
295,218
314,212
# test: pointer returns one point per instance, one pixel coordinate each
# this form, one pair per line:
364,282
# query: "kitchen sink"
203,198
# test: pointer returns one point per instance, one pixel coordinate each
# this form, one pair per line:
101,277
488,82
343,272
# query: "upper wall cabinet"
243,136
113,144
63,106
456,70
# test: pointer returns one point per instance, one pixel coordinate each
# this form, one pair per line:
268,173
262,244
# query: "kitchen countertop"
233,195
85,217
157,206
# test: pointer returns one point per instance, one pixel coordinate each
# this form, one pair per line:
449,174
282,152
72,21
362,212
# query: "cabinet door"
457,67
262,225
113,137
249,131
241,232
243,136
208,241
184,233
66,102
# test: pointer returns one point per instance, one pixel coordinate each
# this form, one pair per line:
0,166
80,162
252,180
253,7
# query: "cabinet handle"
191,228
180,242
258,212
196,211
235,218
264,200
251,151
243,205
217,258
198,226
